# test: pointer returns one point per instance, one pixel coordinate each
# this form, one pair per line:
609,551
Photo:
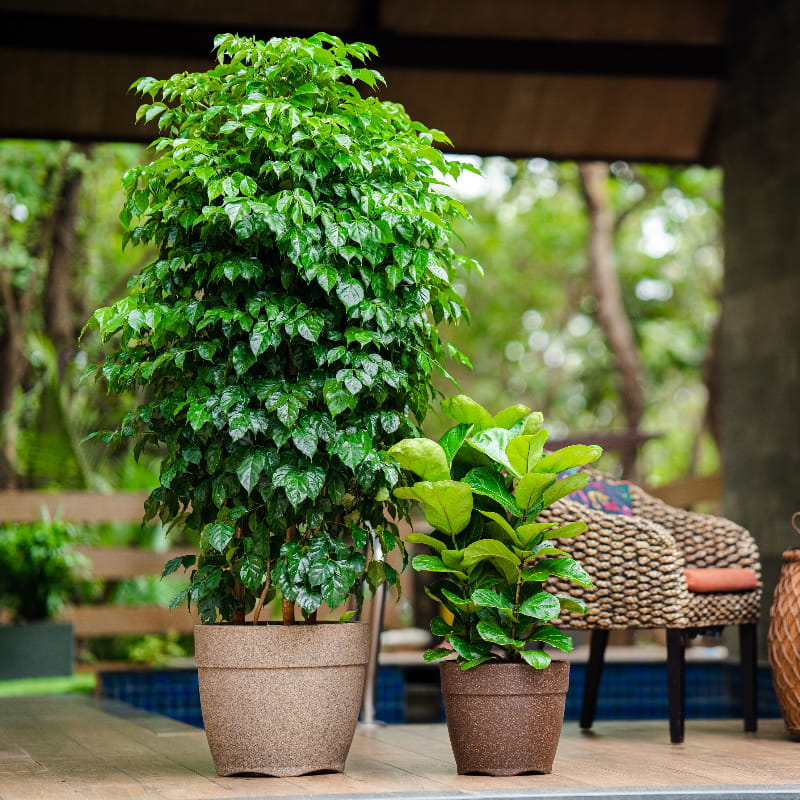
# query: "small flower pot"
281,700
504,719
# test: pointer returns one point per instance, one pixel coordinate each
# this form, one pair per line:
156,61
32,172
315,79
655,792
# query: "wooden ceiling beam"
69,33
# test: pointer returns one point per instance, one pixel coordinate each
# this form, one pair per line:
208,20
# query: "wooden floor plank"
68,747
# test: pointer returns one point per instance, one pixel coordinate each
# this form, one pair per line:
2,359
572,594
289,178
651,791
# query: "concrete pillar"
761,301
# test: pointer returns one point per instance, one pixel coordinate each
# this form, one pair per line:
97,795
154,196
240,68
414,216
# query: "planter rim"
280,646
502,678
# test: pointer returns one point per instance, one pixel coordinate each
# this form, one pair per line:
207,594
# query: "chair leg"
676,682
748,652
594,671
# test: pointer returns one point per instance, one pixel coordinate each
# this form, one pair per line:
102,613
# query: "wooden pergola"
676,81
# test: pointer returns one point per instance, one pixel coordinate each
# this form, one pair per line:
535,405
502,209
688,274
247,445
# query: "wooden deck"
77,747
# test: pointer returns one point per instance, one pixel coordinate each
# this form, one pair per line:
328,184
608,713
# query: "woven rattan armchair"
638,565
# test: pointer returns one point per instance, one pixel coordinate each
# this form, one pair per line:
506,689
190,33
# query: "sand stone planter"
504,719
281,700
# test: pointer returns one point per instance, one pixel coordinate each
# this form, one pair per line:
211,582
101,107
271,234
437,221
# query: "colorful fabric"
610,498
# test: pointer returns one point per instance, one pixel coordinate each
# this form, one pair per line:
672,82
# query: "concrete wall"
761,317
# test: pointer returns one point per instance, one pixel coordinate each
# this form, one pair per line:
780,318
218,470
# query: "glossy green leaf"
453,439
576,455
490,631
541,605
423,457
531,488
510,416
447,505
538,659
489,482
564,487
465,410
525,452
219,534
561,567
423,538
555,638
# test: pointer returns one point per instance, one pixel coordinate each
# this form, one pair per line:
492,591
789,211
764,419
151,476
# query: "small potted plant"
285,336
482,487
40,572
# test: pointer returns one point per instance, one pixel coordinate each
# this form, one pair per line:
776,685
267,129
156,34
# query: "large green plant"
286,331
40,570
482,487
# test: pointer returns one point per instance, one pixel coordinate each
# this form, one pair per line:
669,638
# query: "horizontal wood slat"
118,563
27,506
686,492
128,620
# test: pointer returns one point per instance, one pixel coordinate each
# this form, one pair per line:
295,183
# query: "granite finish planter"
37,649
504,719
281,700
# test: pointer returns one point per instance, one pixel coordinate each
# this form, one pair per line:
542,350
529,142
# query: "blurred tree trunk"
58,304
611,312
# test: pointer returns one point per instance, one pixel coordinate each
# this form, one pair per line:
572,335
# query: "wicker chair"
637,565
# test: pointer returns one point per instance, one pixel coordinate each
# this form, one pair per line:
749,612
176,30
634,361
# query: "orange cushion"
721,579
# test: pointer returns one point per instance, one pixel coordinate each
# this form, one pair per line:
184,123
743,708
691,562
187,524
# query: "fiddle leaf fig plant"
481,488
284,333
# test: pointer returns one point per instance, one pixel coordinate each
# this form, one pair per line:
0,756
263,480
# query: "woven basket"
783,638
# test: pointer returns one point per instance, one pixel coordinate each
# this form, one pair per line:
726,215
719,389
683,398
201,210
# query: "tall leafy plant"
482,487
286,330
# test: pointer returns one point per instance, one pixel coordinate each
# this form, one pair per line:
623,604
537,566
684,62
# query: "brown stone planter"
504,719
783,641
280,700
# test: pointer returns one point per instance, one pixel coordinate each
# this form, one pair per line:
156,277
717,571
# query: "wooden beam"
29,506
119,563
93,621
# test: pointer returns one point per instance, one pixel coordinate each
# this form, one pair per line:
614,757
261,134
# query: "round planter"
504,719
783,641
280,700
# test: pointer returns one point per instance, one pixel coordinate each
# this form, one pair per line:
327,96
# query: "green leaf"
502,522
560,567
425,563
452,440
532,534
423,457
219,535
491,599
423,538
436,653
447,504
564,487
440,628
501,558
174,564
350,292
510,416
300,484
530,489
490,631
542,605
568,531
351,448
576,455
572,604
252,573
538,659
524,452
469,650
552,636
465,410
493,442
532,423
250,468
488,482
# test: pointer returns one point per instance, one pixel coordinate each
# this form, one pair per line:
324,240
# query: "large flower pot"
280,700
504,719
37,649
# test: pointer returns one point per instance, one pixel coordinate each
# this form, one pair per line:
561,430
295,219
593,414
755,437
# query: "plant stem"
287,606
